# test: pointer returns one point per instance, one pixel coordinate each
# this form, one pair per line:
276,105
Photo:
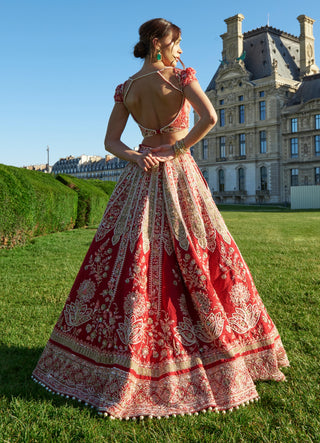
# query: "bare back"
160,102
154,99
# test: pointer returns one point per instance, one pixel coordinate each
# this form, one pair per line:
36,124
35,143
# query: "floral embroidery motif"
185,76
118,95
231,261
134,304
239,294
99,262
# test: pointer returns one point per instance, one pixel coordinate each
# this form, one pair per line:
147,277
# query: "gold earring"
158,55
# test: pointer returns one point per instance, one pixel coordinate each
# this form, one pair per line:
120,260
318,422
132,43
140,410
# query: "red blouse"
181,120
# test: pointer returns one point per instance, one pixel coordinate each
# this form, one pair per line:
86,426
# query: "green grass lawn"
282,250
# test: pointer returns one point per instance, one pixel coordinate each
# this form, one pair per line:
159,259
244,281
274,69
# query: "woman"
164,317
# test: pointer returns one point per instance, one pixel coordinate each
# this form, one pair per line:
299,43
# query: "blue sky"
60,61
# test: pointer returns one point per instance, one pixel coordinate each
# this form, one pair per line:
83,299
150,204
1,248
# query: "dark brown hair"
155,28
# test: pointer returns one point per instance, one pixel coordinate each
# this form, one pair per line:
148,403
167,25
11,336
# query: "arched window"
221,180
241,179
263,178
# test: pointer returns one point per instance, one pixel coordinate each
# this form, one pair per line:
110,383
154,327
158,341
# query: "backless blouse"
181,120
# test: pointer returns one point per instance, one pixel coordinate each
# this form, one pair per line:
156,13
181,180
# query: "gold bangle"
179,148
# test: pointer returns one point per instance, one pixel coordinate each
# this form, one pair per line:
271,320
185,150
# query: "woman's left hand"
163,153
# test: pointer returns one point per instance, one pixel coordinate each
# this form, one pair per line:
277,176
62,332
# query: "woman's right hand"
146,161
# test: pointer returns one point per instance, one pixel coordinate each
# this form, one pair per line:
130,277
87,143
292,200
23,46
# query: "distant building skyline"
90,167
42,168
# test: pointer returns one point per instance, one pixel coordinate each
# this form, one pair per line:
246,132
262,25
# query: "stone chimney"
307,57
233,38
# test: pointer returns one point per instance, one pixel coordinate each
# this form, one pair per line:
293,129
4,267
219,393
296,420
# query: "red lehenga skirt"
164,317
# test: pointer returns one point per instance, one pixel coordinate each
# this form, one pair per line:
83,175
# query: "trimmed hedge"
33,203
105,185
92,200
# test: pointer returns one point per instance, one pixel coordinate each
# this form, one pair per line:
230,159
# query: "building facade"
300,128
42,168
87,167
266,92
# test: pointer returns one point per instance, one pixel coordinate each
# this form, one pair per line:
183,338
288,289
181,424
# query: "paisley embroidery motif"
210,327
76,313
130,332
185,332
247,315
244,318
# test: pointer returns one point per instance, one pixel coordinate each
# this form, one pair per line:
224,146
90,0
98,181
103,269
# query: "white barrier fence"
305,197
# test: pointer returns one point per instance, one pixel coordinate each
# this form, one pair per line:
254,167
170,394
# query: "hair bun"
156,28
140,50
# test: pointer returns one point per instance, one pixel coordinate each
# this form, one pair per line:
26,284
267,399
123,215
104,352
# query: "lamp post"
47,166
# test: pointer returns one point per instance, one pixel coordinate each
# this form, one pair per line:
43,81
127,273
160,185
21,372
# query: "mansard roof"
308,90
265,48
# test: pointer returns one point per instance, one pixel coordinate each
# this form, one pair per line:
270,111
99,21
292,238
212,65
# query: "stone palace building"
267,95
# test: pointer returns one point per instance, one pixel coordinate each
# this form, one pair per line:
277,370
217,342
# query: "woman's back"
154,99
